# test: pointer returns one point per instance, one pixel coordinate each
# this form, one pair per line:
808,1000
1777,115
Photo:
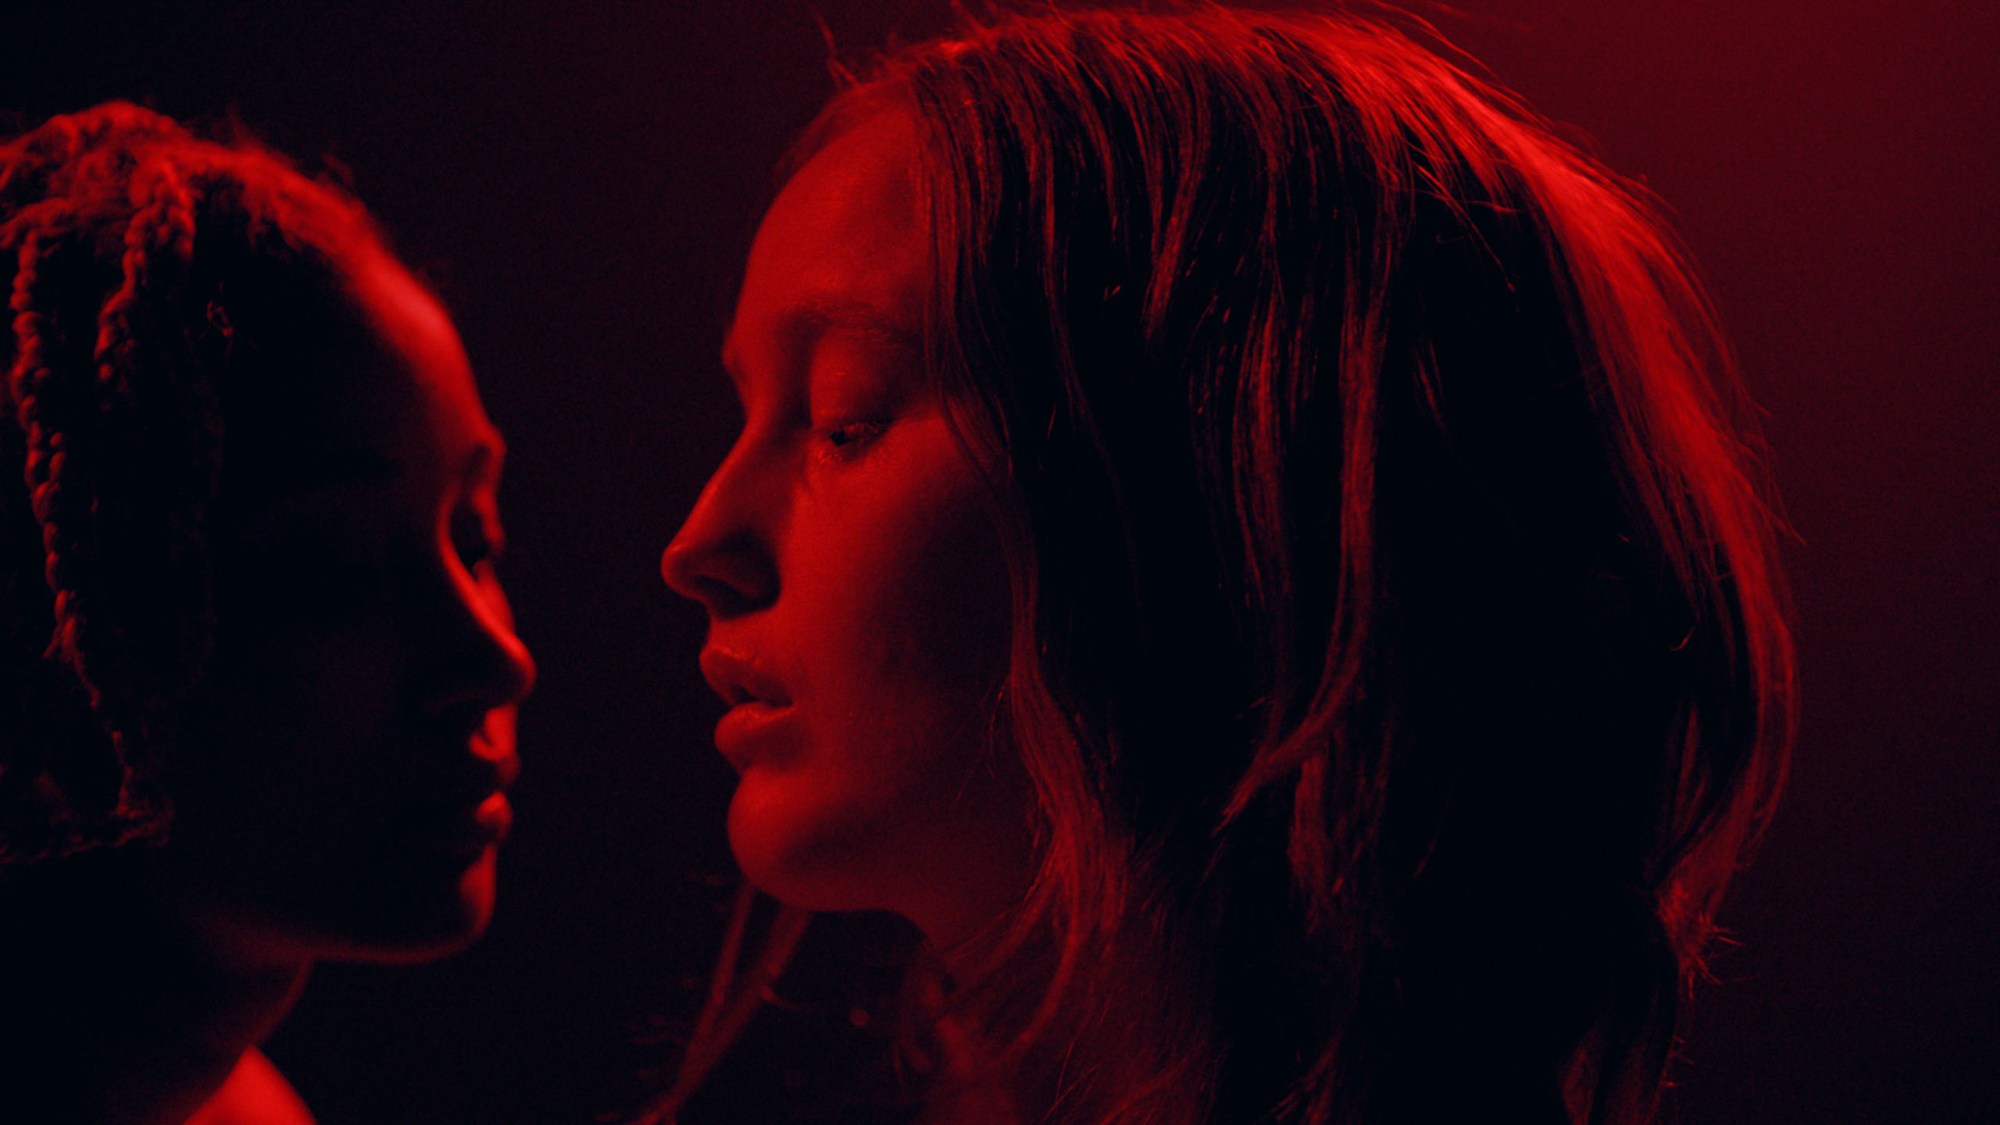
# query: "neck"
134,1017
1107,1051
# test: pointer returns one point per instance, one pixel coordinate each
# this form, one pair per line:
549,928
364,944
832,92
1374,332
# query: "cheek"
904,612
294,739
304,682
897,608
293,801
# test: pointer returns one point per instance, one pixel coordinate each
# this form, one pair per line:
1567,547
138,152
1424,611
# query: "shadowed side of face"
340,791
848,559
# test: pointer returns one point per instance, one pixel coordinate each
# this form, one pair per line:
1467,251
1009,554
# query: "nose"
489,666
721,556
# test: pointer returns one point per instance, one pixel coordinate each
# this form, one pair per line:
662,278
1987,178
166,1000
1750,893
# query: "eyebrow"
329,467
804,323
270,477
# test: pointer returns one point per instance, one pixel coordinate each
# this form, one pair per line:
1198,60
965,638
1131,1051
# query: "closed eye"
849,438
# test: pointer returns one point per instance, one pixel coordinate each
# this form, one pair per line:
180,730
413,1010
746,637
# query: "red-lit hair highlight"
1400,654
128,247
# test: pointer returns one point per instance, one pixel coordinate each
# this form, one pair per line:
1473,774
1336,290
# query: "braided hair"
126,244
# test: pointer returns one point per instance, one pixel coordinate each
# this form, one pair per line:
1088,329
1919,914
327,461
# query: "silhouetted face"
857,596
340,792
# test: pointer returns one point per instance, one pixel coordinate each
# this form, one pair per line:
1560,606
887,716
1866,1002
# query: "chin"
805,854
803,848
414,923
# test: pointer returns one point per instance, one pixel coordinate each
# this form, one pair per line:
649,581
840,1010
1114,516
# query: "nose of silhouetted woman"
487,661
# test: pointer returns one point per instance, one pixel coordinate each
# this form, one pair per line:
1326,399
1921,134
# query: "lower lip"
747,725
471,834
493,819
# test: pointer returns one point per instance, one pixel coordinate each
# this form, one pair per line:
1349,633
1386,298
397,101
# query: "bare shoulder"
254,1094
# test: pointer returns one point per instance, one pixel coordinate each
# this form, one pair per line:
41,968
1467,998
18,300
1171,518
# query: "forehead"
414,349
403,376
845,240
389,387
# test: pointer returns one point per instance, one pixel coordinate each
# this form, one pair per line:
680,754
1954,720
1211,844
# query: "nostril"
478,661
727,578
721,599
457,720
500,676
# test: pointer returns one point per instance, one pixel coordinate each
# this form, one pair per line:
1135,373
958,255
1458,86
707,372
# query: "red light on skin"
759,703
851,565
253,1092
495,819
748,727
468,834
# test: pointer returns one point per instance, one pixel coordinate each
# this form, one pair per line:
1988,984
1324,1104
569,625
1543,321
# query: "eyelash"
847,440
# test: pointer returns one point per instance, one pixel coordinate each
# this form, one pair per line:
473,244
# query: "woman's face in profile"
845,551
340,790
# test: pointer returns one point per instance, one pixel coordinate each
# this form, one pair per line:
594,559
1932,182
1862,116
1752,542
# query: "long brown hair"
1400,654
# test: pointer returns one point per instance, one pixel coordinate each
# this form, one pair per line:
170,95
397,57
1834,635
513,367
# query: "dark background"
581,179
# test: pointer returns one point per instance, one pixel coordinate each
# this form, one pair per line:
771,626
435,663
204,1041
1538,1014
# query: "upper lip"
738,680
